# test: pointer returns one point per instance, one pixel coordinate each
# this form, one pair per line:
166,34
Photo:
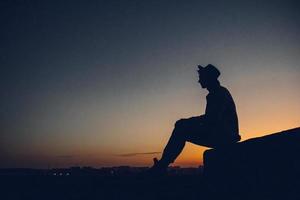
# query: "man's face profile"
202,80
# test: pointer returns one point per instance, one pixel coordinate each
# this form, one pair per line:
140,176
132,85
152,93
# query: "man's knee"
180,123
180,129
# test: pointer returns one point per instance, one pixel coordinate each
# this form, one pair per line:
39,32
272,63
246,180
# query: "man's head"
208,76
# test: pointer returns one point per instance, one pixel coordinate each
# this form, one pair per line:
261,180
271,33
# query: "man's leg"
174,147
183,131
192,130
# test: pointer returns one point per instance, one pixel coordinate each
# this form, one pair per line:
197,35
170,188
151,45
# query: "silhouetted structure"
218,127
266,167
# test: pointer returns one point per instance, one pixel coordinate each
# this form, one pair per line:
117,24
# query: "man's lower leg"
172,150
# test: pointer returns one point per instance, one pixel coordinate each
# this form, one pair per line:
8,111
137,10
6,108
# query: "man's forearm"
201,117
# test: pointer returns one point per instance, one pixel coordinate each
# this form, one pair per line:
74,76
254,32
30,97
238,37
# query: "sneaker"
158,169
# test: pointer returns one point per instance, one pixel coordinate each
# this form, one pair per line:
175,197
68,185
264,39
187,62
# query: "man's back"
220,114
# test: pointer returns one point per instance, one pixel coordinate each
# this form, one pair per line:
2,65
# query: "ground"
97,187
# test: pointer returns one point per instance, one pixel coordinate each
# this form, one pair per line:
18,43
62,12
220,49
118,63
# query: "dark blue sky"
92,79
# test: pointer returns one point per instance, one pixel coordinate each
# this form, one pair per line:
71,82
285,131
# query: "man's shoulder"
224,90
221,92
224,93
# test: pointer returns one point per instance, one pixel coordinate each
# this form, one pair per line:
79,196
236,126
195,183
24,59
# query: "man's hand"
197,117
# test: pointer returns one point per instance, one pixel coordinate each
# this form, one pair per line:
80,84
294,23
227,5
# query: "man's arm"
216,108
198,119
201,117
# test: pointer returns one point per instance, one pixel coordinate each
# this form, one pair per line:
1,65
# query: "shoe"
158,169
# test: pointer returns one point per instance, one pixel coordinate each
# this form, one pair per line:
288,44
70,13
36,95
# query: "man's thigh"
194,131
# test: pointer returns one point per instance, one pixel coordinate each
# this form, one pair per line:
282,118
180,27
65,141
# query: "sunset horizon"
102,84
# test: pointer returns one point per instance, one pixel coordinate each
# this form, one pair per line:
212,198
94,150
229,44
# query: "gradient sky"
84,82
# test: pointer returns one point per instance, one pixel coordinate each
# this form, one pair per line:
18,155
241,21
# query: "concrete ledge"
268,164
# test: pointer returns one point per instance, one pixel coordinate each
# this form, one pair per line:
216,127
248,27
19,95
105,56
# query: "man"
216,128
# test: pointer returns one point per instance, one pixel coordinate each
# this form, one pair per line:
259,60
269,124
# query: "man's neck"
213,87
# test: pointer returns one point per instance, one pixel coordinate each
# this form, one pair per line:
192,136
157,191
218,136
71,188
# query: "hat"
210,71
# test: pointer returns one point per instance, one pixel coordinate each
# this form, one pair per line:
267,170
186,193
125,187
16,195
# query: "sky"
101,83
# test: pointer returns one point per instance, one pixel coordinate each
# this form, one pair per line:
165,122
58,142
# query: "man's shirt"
220,114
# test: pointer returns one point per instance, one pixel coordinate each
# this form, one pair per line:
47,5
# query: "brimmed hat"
209,71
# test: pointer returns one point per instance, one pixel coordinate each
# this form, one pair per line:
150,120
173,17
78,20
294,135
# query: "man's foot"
158,168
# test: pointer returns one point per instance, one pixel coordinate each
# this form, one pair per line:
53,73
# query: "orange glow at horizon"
148,133
86,91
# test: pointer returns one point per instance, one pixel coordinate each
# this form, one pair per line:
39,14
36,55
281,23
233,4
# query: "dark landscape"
89,183
259,168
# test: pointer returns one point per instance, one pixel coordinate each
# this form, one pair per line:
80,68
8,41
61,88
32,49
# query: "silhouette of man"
216,128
